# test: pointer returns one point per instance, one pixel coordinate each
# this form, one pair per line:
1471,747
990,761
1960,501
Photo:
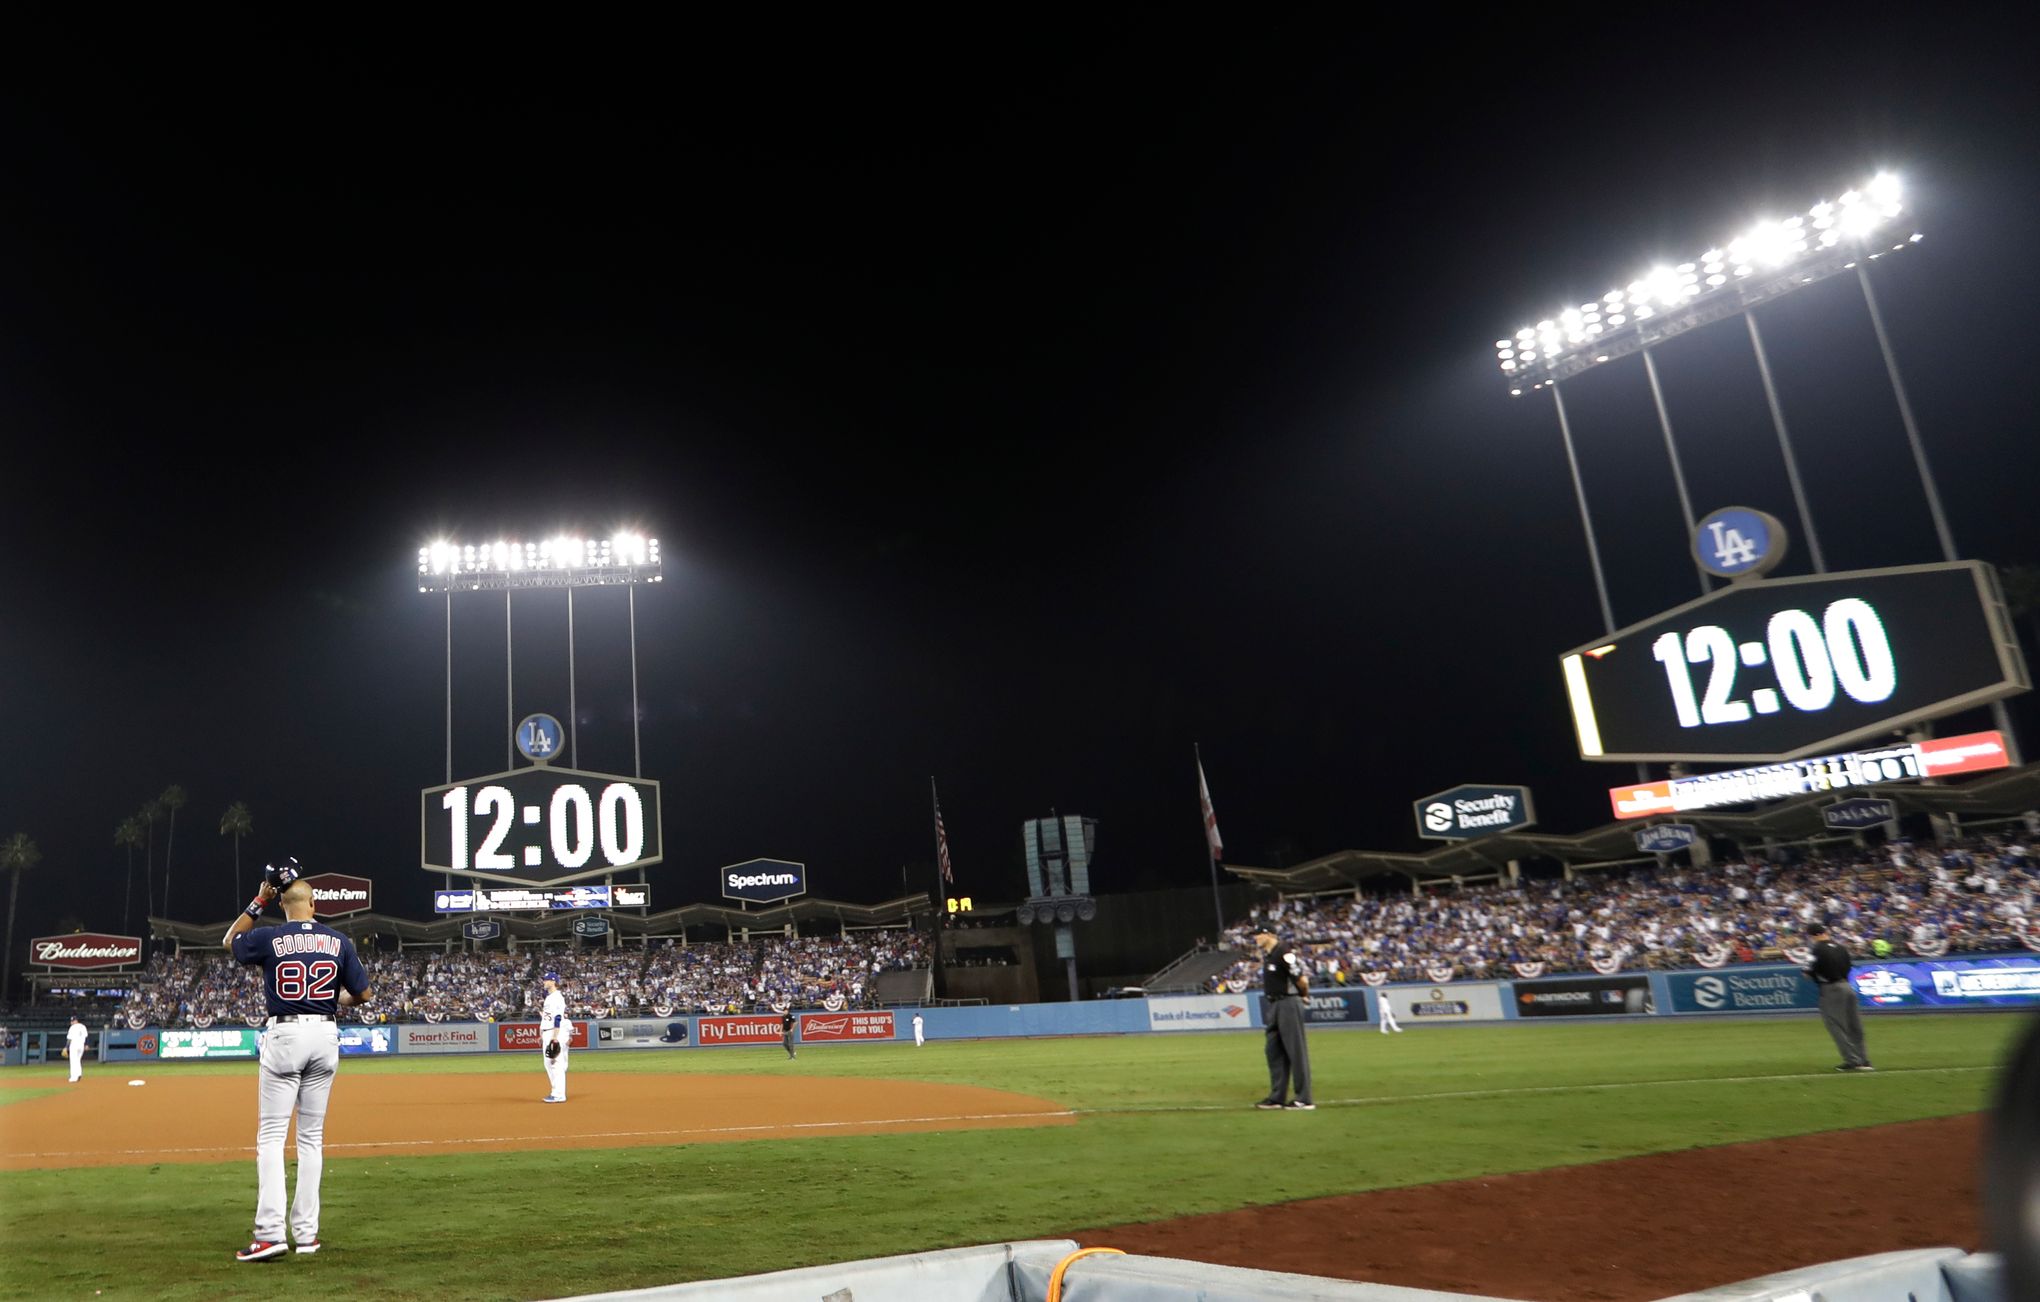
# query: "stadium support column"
1999,714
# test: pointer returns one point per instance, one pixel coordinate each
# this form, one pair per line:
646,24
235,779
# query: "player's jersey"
305,965
552,1021
76,1035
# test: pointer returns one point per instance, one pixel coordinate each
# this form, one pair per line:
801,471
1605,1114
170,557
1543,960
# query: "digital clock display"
539,826
1781,668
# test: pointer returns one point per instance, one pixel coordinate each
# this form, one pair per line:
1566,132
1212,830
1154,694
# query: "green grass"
1167,1130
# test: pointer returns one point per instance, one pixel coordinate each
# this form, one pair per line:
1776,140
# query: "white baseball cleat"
309,1247
552,1099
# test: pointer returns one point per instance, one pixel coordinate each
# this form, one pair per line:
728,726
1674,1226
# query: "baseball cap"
1263,929
552,976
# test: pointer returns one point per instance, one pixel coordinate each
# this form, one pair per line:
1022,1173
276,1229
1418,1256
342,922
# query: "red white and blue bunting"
1529,970
1605,964
1439,972
1715,956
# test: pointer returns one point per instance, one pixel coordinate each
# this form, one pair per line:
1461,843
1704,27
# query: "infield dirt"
103,1121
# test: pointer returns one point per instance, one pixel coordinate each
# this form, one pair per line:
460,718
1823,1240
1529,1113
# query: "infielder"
309,973
75,1037
1388,1022
918,1040
556,1036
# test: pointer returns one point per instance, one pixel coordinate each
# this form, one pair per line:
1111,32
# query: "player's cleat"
307,1248
550,1098
1269,1105
1298,1105
261,1250
1861,1066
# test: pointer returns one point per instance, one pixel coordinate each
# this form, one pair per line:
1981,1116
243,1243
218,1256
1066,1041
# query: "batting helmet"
282,873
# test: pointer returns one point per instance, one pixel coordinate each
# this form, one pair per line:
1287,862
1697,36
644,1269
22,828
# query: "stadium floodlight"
562,561
1771,259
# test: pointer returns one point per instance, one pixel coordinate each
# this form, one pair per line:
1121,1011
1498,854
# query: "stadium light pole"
1664,416
568,561
1785,446
1572,461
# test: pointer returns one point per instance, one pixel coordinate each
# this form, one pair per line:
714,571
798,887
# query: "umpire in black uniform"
1285,980
1838,1012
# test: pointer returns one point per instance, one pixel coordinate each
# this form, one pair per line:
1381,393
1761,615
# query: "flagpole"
1204,799
935,808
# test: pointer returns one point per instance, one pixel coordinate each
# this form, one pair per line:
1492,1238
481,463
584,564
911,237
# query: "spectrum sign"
1937,757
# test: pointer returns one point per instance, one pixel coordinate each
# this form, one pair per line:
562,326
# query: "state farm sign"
335,894
85,949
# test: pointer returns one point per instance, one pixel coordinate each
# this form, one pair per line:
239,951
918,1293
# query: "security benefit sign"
764,881
1584,997
1476,809
1743,990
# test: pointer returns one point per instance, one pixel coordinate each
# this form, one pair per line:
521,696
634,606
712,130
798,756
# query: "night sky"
1017,405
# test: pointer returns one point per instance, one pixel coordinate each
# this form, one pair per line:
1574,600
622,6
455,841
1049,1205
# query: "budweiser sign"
337,893
86,949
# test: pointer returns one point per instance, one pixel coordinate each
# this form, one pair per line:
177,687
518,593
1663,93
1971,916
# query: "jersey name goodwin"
301,942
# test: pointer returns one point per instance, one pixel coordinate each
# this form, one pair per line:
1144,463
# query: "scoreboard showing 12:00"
1781,668
540,825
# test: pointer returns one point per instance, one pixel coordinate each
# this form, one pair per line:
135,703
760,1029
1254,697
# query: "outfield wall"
1985,981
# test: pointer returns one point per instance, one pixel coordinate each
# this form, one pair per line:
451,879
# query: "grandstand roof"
560,925
2009,791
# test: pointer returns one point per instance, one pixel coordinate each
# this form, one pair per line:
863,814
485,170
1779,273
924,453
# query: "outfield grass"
1167,1129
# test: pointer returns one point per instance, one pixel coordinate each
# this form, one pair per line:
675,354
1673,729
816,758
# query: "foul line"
1376,1100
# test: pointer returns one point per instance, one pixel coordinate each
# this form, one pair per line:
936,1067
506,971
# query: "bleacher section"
1193,971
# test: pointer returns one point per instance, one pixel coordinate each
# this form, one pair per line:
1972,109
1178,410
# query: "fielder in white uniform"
309,973
1388,1022
917,1031
555,1039
76,1038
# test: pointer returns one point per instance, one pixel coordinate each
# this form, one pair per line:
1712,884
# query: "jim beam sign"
85,949
336,894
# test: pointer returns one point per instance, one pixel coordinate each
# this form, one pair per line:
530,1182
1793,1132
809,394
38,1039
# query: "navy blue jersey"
304,966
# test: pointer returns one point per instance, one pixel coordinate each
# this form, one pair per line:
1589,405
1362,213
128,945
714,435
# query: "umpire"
1830,971
1284,983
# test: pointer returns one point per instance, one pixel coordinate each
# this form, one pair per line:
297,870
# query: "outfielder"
1388,1022
556,1035
920,1031
309,973
75,1037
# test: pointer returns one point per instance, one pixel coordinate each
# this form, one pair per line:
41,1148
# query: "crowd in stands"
1902,899
498,985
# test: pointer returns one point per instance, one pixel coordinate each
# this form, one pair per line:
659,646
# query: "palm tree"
127,836
237,822
16,856
173,800
150,811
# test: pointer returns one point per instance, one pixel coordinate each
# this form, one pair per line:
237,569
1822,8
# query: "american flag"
941,840
1210,816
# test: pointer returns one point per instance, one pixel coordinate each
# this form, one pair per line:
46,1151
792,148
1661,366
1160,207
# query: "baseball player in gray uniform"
309,973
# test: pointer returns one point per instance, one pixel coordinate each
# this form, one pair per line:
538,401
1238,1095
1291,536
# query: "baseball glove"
553,1050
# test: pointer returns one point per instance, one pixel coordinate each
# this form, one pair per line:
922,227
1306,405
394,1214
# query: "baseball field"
445,1177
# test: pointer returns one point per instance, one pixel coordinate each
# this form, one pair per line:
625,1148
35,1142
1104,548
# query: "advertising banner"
847,1026
1849,814
1949,983
755,1029
1742,990
1198,1012
666,1034
1473,810
1585,996
337,894
125,1044
1665,838
1934,757
512,1037
444,1037
216,1043
1334,1006
85,949
764,881
1461,1001
357,1039
540,899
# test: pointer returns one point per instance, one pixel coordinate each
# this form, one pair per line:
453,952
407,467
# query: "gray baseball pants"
298,1062
1844,1022
1288,1053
